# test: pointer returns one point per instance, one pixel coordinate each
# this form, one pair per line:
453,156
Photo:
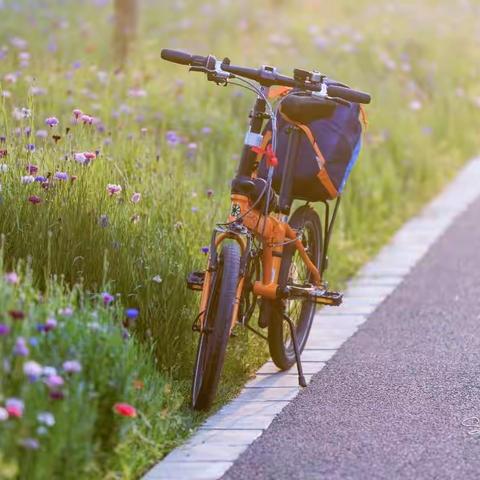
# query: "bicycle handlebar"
266,76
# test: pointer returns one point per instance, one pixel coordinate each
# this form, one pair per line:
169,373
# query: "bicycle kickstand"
301,378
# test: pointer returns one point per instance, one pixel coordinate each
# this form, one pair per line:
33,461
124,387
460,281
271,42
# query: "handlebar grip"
348,94
176,56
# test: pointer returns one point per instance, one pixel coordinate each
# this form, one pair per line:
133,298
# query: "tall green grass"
419,60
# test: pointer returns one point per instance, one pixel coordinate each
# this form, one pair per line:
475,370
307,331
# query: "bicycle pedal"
325,297
195,281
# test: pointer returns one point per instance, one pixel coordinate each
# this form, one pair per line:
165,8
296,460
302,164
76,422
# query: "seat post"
285,199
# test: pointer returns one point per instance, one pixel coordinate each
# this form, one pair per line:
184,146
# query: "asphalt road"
390,404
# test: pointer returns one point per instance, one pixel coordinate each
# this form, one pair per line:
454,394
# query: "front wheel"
214,338
294,271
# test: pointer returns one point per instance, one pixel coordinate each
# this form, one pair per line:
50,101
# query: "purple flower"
172,138
21,349
32,370
4,330
210,193
54,381
42,134
61,176
41,179
46,418
72,366
131,313
205,250
66,312
50,324
107,298
136,197
206,130
103,221
30,443
51,121
30,147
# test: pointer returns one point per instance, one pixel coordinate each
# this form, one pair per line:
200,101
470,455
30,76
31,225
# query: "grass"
426,99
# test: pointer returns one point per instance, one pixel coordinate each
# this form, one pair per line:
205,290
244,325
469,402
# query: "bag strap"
322,174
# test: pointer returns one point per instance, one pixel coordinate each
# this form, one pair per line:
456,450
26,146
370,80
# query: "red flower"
35,199
125,410
3,153
16,314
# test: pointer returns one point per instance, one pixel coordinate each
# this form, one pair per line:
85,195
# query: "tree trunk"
126,13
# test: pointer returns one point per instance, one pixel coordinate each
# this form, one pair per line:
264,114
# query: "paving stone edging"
211,451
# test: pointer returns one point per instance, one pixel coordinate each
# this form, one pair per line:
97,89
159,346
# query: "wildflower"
86,119
37,91
50,324
4,330
210,193
30,443
41,179
103,221
47,371
77,113
206,130
107,298
54,381
46,418
172,138
136,197
56,395
14,407
205,250
90,155
21,349
16,314
3,167
12,278
10,78
61,176
52,121
27,179
34,199
32,169
66,312
157,279
125,410
194,209
33,341
32,370
131,313
30,147
22,113
3,414
137,93
72,366
80,158
415,105
135,218
113,189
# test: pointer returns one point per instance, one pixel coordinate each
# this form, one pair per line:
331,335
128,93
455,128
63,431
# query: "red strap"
272,160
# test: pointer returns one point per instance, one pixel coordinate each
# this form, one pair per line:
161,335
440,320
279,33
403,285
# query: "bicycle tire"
280,346
212,344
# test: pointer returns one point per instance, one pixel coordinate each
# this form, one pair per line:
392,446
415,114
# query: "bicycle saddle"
306,109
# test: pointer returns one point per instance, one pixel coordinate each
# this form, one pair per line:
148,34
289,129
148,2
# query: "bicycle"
259,256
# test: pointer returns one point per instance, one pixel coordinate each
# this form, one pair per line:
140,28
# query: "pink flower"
90,155
107,298
136,197
86,119
125,410
50,324
80,158
113,189
77,113
12,278
14,407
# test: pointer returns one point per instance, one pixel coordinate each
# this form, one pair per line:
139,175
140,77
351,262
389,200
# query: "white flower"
32,369
415,105
157,279
3,414
46,418
72,366
49,371
26,179
3,167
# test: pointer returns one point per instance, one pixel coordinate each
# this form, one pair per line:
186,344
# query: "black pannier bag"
328,150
